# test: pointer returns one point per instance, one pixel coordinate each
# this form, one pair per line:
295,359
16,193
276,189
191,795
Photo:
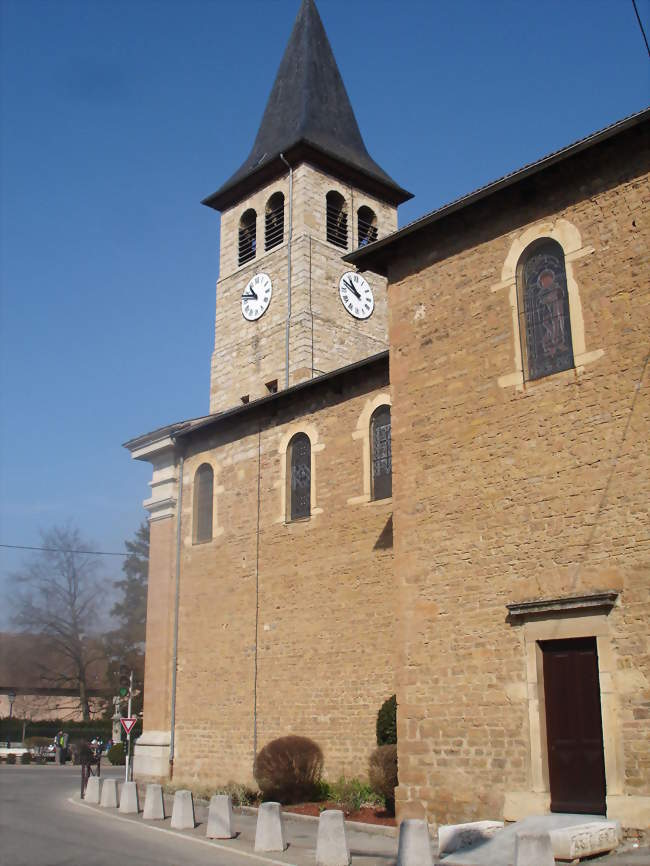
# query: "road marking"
211,844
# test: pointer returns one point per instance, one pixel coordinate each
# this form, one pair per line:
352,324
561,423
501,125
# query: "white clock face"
256,297
356,295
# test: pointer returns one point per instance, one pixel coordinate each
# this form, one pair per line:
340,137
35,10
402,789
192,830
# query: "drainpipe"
286,381
179,508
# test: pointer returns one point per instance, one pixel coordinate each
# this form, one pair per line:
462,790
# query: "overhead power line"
638,18
64,550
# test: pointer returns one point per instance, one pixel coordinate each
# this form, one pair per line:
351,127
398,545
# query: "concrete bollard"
533,849
414,847
269,833
154,803
220,818
93,790
109,794
183,811
332,844
129,799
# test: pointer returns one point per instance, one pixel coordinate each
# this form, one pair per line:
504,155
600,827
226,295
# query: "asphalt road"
40,827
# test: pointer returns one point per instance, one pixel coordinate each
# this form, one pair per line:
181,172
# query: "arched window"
299,476
336,219
247,236
274,221
543,307
203,487
381,461
366,226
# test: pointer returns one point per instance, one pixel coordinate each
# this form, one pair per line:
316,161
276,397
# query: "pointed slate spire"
308,116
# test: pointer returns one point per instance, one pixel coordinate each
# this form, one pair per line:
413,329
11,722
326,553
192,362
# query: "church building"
424,472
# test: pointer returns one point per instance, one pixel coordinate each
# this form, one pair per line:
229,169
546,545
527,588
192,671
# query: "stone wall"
286,627
505,492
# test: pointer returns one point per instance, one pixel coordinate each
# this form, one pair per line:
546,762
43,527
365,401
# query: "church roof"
308,117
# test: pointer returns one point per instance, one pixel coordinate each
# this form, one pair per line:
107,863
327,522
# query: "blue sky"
118,117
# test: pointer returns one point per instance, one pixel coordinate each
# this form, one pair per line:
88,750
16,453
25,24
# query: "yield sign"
128,724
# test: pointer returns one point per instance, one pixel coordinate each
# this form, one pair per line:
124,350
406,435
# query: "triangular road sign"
128,724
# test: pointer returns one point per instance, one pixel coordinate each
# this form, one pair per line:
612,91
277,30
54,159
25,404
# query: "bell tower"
288,307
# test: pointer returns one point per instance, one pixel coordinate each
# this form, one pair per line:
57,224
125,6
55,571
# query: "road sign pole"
129,773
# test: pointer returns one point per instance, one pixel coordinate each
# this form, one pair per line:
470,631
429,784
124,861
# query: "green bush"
11,758
239,794
289,769
352,794
382,771
26,758
117,755
387,723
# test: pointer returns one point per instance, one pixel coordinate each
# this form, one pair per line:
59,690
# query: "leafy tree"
126,643
57,599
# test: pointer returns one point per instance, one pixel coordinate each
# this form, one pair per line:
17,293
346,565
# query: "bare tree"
57,600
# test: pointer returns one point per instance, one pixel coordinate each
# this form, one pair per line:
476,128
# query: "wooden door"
573,726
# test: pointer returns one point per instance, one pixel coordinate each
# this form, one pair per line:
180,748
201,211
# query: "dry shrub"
382,772
289,769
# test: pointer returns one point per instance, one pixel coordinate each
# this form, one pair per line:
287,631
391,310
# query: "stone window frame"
567,235
283,450
191,468
561,619
362,434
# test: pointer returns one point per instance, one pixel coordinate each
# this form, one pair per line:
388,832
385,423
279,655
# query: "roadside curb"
350,826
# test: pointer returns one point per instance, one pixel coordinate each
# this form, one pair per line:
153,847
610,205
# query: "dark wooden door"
573,726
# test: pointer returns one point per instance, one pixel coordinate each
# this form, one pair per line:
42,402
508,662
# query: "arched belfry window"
274,221
203,489
543,301
381,460
247,236
299,476
336,219
366,226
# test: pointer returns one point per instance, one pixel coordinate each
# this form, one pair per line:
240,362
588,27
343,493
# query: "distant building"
470,531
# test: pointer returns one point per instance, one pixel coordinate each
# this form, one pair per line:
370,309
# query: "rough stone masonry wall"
323,335
323,589
504,494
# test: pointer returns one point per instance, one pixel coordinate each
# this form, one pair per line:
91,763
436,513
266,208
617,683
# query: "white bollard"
220,818
332,844
109,794
129,799
154,803
183,811
533,849
414,847
269,833
93,790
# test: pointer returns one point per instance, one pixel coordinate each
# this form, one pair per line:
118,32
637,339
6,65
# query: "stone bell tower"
307,194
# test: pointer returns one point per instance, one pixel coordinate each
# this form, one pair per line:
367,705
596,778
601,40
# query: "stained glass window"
203,485
300,476
381,454
544,324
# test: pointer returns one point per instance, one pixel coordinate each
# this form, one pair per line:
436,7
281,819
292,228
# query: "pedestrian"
58,745
64,746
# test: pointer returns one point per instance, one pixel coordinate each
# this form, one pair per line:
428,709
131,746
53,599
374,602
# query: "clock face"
256,297
356,295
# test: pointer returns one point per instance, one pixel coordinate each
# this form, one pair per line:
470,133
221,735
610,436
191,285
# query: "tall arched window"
543,301
247,236
274,221
366,226
203,488
336,219
299,476
381,460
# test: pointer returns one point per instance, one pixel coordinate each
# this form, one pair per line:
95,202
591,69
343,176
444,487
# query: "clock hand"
348,285
251,296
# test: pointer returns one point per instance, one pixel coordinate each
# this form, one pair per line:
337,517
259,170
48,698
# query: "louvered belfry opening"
274,221
247,236
300,476
366,226
381,454
543,300
337,220
203,491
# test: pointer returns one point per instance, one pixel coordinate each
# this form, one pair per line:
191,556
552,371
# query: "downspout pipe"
179,510
288,326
